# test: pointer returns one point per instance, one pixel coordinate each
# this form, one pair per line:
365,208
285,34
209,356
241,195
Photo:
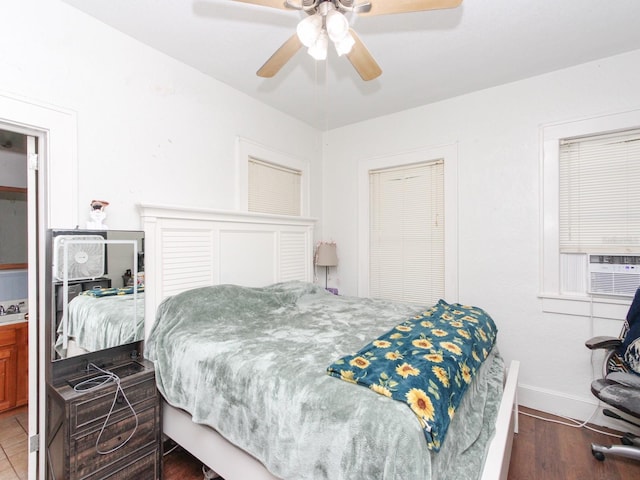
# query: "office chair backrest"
629,351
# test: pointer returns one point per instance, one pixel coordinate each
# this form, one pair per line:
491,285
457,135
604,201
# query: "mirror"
97,290
13,215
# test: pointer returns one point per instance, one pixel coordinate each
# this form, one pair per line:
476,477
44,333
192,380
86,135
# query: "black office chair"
620,382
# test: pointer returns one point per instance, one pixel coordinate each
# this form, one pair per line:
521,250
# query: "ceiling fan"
326,22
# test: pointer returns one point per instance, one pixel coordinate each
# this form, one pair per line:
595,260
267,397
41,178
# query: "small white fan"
85,256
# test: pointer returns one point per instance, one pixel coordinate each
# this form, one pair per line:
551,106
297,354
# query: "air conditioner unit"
614,274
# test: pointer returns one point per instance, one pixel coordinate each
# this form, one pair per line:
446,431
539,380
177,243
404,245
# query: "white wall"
497,135
149,129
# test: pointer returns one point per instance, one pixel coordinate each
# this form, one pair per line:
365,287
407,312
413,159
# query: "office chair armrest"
608,343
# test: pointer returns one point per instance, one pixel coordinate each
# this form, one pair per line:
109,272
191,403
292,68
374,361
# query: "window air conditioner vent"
614,274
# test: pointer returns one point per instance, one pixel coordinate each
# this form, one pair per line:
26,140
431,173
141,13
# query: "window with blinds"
599,203
406,233
273,188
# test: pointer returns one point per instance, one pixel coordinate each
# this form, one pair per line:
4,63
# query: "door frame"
54,182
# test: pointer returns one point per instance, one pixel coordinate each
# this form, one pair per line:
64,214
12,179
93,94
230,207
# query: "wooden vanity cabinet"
22,364
14,360
76,420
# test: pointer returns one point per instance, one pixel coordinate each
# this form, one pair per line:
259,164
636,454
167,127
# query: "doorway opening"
14,299
19,296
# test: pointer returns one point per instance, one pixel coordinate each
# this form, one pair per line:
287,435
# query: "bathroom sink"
7,309
14,318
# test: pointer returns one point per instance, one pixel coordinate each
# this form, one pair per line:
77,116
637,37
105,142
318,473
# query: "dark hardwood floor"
544,450
541,451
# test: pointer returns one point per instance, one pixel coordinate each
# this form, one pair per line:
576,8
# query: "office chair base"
599,451
630,439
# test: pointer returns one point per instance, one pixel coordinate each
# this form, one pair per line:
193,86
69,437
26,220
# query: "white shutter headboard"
188,248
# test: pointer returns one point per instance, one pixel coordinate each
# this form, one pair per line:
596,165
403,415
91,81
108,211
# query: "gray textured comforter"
251,363
96,323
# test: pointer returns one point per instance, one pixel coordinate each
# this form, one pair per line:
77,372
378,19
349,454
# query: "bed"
214,422
99,319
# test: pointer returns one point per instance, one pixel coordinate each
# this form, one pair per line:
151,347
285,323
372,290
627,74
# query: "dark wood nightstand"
76,417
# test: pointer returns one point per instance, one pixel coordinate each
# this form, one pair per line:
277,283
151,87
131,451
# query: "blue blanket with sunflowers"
110,292
427,362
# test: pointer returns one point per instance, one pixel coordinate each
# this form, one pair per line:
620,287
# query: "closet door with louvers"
406,233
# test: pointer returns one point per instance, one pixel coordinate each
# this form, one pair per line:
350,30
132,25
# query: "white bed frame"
189,248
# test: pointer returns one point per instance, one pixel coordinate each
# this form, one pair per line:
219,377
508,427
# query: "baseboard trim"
571,406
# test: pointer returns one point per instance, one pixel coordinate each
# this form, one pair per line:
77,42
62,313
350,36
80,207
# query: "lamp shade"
326,255
344,46
337,25
319,49
309,29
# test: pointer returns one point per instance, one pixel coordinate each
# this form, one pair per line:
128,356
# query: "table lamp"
326,257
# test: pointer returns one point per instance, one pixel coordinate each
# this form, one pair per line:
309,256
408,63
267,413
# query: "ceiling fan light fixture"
319,49
345,45
309,29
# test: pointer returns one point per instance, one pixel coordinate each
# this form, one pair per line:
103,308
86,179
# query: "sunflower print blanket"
110,292
427,362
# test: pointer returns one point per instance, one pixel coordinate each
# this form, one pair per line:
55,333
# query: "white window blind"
273,188
600,193
407,233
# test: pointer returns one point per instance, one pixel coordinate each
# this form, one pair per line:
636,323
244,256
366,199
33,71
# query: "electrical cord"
98,381
575,423
164,454
208,473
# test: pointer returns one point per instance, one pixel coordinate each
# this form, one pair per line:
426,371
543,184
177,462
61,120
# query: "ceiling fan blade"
386,7
362,60
281,56
267,3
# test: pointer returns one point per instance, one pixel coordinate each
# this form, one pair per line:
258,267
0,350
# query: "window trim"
550,274
246,149
449,154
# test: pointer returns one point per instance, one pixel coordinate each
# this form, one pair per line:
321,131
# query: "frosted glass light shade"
337,25
309,29
319,49
327,23
345,45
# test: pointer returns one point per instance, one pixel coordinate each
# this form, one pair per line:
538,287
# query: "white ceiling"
425,56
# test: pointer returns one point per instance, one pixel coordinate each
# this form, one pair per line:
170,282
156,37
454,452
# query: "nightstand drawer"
85,458
85,413
144,467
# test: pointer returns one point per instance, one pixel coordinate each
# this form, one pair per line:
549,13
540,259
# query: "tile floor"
13,444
